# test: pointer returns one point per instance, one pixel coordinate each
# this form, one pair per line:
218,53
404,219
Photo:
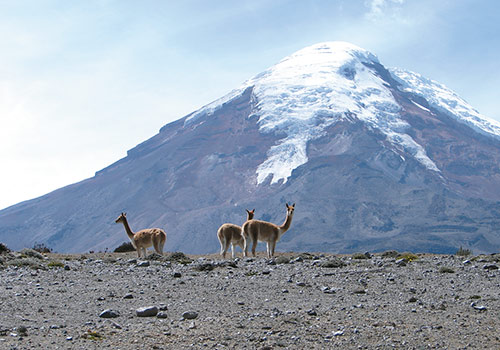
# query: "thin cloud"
380,9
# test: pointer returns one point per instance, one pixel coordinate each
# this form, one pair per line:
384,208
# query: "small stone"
312,312
128,296
115,325
412,300
132,261
162,314
144,263
147,311
338,333
466,262
401,262
189,315
177,275
67,268
300,284
478,307
108,313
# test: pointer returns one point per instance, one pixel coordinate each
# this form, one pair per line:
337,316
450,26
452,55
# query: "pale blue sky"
81,82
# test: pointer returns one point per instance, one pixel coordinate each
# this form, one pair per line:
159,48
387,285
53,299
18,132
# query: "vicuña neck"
127,228
287,223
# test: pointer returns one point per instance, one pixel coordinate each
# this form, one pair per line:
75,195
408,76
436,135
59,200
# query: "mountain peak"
331,52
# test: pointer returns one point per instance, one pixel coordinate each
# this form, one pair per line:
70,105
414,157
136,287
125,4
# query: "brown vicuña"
231,234
264,231
144,239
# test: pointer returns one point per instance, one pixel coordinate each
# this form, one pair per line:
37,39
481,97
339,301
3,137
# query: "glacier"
310,90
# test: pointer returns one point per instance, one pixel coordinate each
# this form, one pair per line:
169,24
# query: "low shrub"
408,257
125,247
27,262
360,256
390,254
445,269
463,252
31,253
55,263
3,248
42,248
179,257
333,263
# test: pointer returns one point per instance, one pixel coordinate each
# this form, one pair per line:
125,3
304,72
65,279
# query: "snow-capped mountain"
375,158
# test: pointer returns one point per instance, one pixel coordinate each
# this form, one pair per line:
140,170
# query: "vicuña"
264,231
231,234
144,238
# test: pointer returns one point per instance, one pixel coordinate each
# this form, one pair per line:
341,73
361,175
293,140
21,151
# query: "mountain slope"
374,158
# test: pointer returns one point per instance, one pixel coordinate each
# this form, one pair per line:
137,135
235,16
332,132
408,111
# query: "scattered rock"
312,312
147,311
189,315
478,307
162,314
128,296
177,275
108,313
401,262
143,263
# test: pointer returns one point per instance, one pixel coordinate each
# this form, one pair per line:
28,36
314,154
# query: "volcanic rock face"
374,158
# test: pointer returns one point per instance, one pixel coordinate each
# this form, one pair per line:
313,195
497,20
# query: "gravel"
297,301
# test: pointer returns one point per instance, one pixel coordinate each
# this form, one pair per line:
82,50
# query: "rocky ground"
296,301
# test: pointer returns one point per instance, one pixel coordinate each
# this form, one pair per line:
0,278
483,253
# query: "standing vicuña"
144,238
264,231
231,234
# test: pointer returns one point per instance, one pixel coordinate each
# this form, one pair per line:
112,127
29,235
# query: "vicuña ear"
293,205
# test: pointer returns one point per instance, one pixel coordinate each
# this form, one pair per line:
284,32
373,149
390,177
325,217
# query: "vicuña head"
231,234
144,239
256,230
